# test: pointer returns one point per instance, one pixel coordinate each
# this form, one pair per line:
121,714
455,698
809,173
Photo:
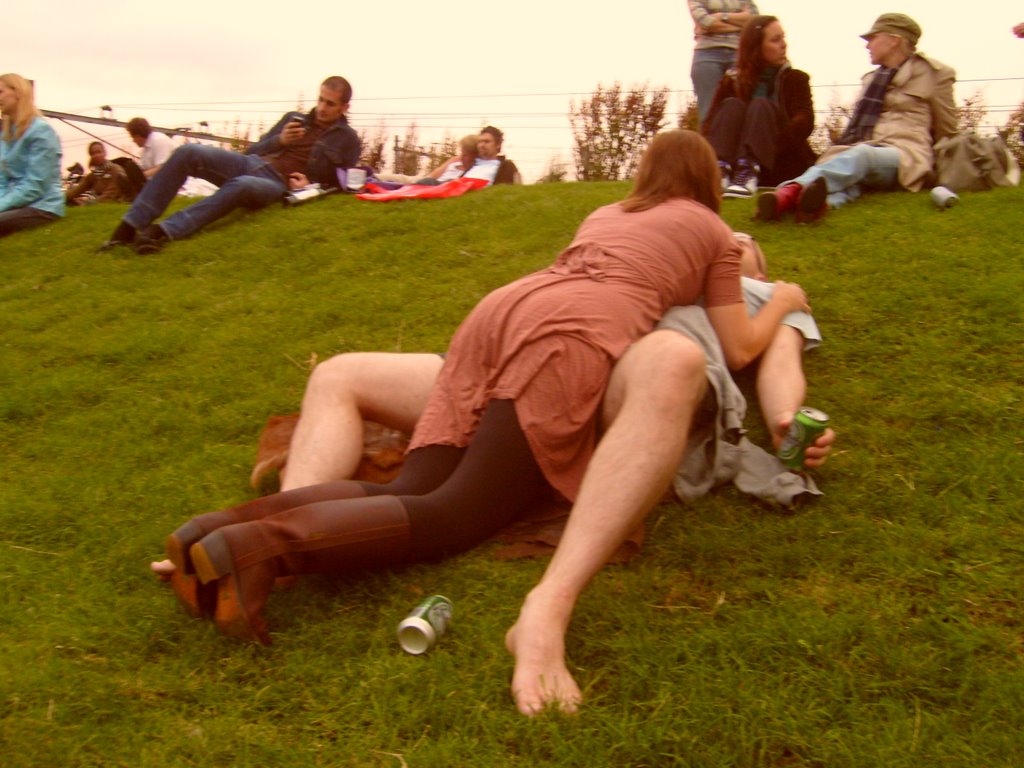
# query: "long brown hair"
24,112
677,163
750,56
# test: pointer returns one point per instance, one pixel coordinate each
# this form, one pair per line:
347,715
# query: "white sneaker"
725,171
744,181
742,190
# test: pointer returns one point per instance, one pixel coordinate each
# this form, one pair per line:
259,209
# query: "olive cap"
895,24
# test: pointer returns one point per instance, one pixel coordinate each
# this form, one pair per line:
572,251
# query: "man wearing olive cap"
905,106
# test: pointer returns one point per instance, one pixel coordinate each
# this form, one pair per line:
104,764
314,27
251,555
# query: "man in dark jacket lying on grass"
298,150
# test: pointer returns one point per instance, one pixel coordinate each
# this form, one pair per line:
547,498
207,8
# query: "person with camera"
297,151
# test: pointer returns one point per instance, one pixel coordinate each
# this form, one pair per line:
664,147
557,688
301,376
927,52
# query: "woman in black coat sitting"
762,113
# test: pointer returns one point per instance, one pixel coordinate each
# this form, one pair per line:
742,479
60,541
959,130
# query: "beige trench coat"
918,111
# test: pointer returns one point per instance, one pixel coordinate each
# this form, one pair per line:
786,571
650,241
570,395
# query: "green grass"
880,626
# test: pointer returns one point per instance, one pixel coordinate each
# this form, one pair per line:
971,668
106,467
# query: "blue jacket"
338,147
30,170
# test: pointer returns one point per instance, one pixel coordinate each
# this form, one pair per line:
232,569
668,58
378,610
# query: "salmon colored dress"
549,340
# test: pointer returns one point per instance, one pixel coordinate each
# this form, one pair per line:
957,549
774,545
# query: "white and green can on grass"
418,631
807,424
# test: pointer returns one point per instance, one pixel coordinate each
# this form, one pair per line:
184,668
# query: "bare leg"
781,385
781,389
653,393
389,388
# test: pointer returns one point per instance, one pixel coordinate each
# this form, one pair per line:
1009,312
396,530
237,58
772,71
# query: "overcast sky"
454,64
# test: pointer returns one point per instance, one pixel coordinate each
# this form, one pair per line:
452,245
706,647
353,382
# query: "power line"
456,97
246,115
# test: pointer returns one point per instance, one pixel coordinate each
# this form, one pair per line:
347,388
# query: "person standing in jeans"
717,27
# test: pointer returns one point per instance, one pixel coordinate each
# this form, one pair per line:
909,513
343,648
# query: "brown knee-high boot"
326,537
198,600
179,542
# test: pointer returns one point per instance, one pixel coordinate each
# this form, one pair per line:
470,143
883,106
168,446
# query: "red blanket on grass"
452,188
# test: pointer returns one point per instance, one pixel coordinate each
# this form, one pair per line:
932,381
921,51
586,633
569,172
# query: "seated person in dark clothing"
106,182
762,113
297,151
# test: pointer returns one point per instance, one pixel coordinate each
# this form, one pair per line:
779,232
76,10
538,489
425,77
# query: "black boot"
150,240
123,235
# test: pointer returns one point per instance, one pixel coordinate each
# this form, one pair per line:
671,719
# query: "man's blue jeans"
848,173
706,70
245,181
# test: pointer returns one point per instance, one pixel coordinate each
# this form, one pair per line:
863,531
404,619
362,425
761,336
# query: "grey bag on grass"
968,161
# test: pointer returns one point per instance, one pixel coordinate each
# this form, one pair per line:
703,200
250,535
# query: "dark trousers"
457,497
23,218
747,130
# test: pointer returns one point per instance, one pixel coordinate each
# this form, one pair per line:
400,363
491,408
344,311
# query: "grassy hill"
880,626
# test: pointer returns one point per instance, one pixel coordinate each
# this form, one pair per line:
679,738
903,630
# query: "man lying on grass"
297,151
490,164
393,389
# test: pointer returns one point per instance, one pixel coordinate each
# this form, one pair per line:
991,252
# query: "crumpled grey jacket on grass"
717,451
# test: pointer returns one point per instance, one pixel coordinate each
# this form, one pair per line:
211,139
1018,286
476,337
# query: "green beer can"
418,631
807,424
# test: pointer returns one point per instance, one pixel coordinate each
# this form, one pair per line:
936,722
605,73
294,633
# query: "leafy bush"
555,172
611,129
1013,133
373,147
689,118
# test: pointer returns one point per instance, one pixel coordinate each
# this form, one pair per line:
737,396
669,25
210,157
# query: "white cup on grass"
355,179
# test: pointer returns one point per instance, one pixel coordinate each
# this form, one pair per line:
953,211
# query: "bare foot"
162,568
540,678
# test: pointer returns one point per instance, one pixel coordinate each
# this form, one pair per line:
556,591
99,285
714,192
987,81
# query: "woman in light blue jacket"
30,188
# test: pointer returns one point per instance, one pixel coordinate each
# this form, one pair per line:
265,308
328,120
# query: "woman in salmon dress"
515,410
